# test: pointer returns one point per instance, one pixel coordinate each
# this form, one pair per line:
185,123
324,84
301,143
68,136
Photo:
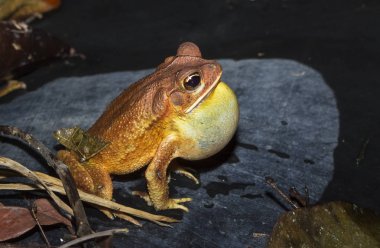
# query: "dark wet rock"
271,90
308,161
233,159
208,204
222,178
252,196
279,154
248,146
215,188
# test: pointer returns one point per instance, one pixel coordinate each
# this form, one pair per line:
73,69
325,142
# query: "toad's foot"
184,172
169,203
174,204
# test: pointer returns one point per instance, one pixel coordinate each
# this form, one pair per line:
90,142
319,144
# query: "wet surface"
279,154
337,39
252,196
309,161
215,188
248,146
232,200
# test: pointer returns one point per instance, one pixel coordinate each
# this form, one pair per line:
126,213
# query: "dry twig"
15,166
94,236
271,182
55,185
82,224
33,211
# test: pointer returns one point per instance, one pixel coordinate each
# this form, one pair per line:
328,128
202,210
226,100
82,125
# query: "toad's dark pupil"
192,81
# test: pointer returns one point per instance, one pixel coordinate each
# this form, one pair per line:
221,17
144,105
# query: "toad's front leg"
157,177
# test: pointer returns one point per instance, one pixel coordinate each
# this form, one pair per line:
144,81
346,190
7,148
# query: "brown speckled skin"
139,126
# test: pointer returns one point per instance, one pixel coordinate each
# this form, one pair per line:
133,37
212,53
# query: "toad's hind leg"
88,177
157,178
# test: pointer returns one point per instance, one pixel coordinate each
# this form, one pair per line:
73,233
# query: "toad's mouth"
203,96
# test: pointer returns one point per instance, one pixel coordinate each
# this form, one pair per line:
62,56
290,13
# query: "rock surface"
288,130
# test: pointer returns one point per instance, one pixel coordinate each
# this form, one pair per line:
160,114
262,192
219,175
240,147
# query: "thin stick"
301,200
93,236
259,235
127,218
56,186
273,184
158,219
83,226
33,211
15,166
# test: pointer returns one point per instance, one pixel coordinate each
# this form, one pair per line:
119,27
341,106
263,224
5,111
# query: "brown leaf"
22,48
14,221
48,215
18,9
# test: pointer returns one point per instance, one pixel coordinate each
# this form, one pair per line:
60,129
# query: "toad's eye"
192,81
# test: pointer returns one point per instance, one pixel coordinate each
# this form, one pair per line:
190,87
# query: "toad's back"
130,127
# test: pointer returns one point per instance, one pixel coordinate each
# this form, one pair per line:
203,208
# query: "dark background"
339,39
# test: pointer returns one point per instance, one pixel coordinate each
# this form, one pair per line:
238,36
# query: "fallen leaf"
48,215
333,224
20,9
23,48
15,221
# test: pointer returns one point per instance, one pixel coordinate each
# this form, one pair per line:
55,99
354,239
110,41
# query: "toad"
181,110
